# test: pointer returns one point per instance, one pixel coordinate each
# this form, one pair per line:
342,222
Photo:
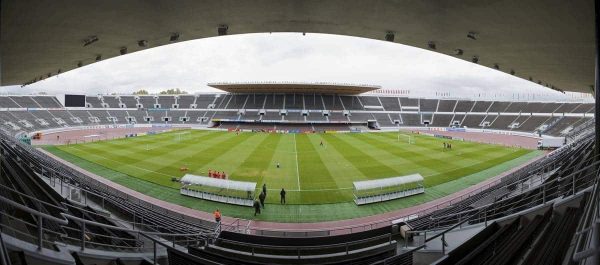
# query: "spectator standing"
217,215
262,197
256,207
282,194
265,189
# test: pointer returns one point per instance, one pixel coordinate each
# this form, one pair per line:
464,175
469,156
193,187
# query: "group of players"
217,174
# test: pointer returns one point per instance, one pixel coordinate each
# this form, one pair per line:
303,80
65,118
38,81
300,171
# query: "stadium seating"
388,111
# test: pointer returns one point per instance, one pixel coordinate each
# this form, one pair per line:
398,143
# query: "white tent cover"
218,183
387,182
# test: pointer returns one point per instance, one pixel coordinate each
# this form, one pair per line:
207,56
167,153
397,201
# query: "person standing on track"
261,198
256,206
282,194
217,215
265,189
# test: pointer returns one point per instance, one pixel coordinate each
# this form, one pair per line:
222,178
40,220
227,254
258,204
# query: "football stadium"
300,172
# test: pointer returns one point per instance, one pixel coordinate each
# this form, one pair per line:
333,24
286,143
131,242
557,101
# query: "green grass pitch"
310,173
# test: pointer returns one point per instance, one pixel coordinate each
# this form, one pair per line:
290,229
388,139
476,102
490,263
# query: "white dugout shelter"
220,190
371,191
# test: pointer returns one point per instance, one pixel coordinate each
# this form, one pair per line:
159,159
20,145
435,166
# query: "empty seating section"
409,102
520,120
176,115
446,105
147,102
481,106
294,116
222,101
271,115
331,102
337,116
548,108
442,120
166,102
64,116
473,121
294,101
185,101
383,119
503,121
355,116
129,101
7,102
533,123
411,119
369,101
237,102
562,124
93,101
112,101
457,119
426,118
583,108
203,101
273,101
47,101
351,103
567,107
498,106
227,105
464,106
533,107
428,105
102,116
313,102
516,107
121,116
25,101
390,103
83,115
255,101
157,115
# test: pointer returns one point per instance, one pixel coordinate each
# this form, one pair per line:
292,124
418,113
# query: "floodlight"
222,30
472,35
389,36
90,40
431,45
174,37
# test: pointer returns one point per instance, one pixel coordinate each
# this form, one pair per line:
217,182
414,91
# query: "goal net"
403,137
181,136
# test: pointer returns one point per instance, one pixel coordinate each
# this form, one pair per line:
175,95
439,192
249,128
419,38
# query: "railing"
303,251
587,248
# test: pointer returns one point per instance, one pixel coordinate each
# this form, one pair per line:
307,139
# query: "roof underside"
342,89
547,41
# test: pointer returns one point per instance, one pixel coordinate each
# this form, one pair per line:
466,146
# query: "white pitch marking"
297,167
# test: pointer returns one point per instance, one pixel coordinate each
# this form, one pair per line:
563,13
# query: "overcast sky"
190,65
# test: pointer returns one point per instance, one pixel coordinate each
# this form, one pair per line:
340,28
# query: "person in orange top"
217,214
210,173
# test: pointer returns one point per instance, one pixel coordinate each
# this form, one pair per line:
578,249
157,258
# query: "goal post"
410,139
179,136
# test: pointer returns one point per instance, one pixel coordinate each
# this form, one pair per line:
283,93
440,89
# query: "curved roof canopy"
289,87
550,42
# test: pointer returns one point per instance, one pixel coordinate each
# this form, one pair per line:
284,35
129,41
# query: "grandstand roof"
285,87
546,41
